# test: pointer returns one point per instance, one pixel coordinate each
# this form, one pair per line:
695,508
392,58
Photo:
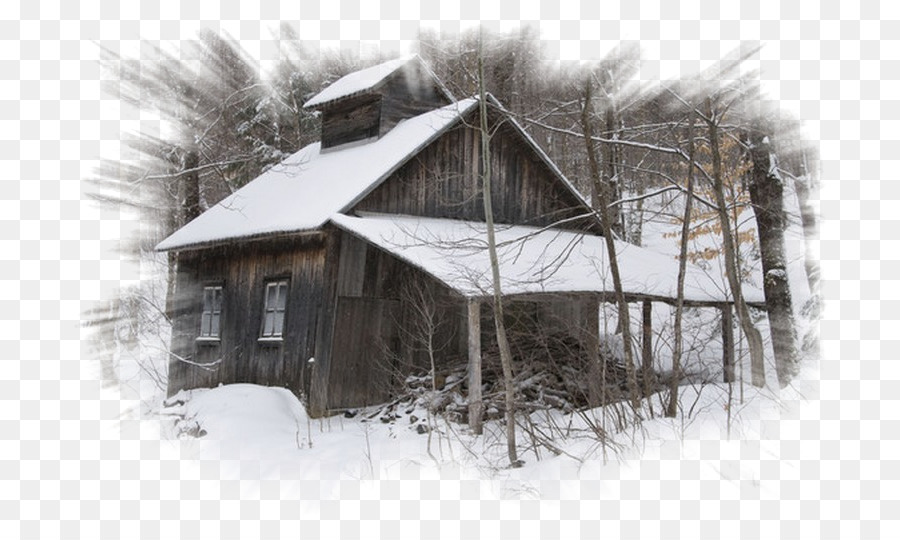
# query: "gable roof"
532,260
302,192
366,80
529,140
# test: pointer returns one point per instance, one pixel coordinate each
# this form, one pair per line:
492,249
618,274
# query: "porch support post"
596,369
647,347
476,407
727,343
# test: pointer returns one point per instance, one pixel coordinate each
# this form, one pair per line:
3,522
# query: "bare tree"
502,341
423,333
672,408
602,201
713,117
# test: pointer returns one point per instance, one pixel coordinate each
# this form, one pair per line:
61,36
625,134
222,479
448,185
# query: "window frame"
276,334
205,333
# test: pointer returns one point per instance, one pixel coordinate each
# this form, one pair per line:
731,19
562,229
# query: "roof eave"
318,107
265,236
444,91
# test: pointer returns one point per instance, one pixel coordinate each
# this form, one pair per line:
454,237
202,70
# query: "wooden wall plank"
434,184
352,120
243,271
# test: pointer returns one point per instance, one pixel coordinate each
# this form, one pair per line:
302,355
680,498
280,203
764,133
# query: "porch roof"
534,260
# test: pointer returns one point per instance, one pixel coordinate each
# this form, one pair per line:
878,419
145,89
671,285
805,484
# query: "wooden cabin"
308,277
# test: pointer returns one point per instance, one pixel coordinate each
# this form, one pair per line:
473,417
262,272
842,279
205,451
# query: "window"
273,315
212,312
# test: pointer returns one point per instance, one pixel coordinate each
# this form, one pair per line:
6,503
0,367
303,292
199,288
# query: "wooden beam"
476,406
647,347
596,370
727,343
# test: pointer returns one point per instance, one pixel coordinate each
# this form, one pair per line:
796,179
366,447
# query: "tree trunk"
754,339
612,180
727,344
672,409
500,326
187,207
647,347
805,188
171,269
602,208
191,186
767,193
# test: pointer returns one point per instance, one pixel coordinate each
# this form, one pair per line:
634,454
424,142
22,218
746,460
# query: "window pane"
273,309
210,316
271,293
282,295
204,324
279,323
268,326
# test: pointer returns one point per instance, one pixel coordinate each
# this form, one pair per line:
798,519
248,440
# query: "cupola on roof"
366,104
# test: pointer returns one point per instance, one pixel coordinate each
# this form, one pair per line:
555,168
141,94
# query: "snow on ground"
267,435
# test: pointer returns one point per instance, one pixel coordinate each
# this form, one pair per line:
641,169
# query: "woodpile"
550,372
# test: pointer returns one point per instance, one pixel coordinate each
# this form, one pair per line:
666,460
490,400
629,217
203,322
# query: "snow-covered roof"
532,260
303,191
365,80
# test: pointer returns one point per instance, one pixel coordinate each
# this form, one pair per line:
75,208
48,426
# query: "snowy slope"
269,428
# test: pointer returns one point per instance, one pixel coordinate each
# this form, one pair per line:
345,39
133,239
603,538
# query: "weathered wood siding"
408,93
351,120
363,349
444,181
366,334
387,277
243,272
